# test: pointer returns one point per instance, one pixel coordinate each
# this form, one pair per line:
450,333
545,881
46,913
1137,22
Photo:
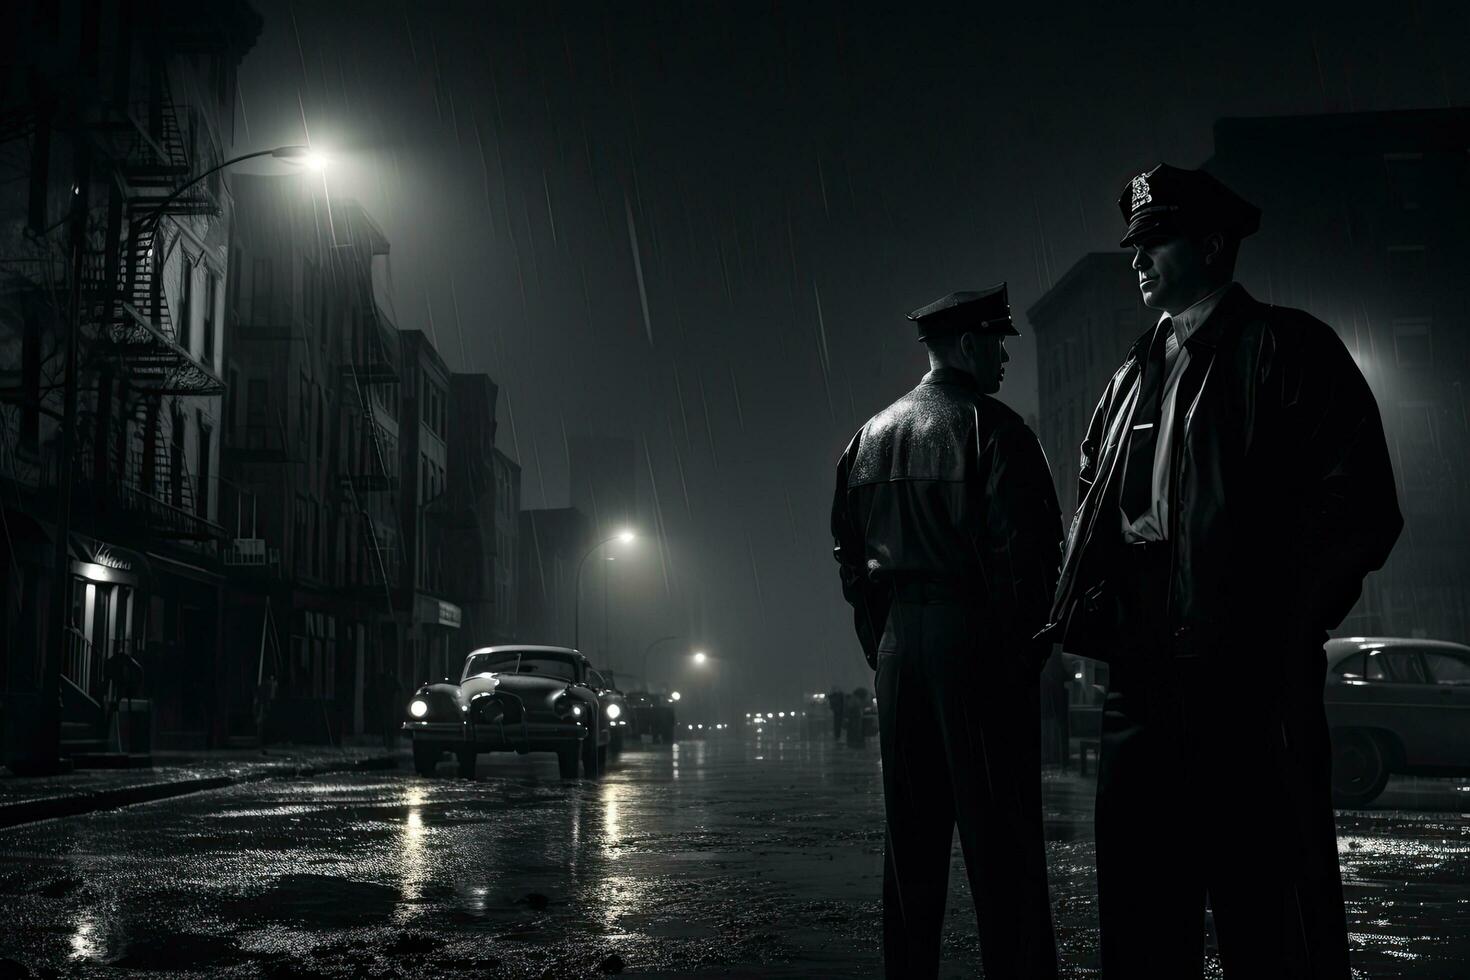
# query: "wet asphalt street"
734,857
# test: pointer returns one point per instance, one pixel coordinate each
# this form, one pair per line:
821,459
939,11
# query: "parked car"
516,699
1395,706
615,709
652,715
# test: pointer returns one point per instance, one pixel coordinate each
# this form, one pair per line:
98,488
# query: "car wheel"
1359,768
466,759
566,760
425,758
591,756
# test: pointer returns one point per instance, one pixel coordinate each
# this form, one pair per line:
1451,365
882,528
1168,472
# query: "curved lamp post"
624,536
303,154
649,650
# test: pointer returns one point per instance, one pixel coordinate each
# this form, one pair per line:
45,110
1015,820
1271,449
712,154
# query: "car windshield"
520,662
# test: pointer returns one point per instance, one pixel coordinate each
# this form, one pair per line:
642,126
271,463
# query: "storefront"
109,606
434,623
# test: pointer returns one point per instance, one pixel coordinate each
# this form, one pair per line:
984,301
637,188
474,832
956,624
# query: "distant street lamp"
699,658
625,536
674,696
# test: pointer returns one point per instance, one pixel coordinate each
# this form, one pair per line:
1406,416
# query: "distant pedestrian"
1056,735
836,701
948,536
265,697
856,702
390,707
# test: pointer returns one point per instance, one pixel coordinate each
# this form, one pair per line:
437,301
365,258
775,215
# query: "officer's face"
988,357
1172,271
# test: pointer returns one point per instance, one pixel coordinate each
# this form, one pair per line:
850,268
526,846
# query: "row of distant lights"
712,727
760,718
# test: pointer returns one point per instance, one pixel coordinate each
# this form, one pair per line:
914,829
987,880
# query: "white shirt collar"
1187,321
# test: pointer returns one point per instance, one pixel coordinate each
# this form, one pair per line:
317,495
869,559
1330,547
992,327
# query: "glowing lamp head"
626,536
613,711
674,696
303,155
418,707
700,656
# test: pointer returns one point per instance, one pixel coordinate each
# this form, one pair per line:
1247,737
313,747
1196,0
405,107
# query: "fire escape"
129,320
369,474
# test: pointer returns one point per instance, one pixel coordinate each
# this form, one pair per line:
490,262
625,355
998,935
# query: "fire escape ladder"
360,393
374,539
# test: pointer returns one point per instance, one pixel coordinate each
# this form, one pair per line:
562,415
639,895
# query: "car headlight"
613,711
418,707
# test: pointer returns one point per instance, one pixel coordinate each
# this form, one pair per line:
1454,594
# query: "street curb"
73,804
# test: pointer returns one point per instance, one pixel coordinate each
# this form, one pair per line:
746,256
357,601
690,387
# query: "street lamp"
302,154
699,658
674,696
625,536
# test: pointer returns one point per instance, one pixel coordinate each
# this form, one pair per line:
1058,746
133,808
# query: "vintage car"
652,715
1395,706
517,699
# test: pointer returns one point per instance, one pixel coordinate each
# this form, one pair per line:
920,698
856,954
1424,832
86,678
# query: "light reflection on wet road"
731,857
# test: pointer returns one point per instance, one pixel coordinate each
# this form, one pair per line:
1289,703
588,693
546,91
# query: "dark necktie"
1138,473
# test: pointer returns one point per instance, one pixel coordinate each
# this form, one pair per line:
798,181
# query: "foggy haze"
699,227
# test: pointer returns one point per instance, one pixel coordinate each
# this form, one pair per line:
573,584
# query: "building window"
1405,174
230,395
260,296
30,380
211,298
303,403
201,492
298,536
1407,265
1412,346
176,461
1416,424
184,331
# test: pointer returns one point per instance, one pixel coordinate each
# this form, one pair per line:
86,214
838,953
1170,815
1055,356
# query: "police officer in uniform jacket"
948,535
1235,490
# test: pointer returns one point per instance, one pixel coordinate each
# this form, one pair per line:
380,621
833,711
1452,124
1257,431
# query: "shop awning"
102,561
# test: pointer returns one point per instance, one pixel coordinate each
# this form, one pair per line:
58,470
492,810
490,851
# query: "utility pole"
48,734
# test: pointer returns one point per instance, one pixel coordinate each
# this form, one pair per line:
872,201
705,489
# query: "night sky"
698,226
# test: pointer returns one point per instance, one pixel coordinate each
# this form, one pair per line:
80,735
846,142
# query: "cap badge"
1141,193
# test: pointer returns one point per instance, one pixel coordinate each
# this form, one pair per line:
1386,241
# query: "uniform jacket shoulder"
1285,335
928,433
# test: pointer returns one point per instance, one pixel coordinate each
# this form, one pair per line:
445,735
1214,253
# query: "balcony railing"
163,518
252,553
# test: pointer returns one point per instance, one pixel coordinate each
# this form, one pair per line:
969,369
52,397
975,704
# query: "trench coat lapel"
1202,345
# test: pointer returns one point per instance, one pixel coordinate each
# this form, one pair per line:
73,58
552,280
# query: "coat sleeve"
1090,452
869,605
1349,513
1022,533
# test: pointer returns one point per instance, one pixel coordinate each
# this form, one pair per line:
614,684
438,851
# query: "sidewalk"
24,799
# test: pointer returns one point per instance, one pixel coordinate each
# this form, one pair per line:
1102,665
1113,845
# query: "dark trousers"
959,730
1214,785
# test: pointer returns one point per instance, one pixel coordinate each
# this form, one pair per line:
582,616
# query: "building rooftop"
1080,273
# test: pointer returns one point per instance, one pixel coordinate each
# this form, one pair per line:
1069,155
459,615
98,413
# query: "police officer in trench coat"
1235,490
948,536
